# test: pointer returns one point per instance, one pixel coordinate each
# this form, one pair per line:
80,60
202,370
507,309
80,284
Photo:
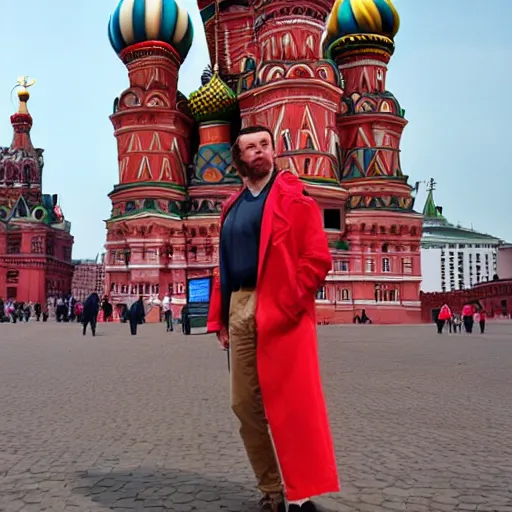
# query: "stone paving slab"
421,422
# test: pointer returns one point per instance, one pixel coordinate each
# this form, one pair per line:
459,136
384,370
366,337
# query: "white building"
452,257
505,262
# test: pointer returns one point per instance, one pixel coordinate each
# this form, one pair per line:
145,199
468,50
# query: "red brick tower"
146,238
297,93
22,178
384,231
35,239
229,28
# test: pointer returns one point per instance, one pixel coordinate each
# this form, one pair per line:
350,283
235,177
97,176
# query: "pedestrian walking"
137,315
90,312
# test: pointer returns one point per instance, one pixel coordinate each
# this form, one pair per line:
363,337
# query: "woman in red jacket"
444,315
467,317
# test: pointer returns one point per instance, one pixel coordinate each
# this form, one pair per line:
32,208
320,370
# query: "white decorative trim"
365,62
412,303
377,304
184,265
203,265
282,22
137,266
335,278
136,240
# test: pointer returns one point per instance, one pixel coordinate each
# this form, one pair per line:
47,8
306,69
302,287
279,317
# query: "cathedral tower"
384,231
296,93
229,29
146,238
22,176
35,239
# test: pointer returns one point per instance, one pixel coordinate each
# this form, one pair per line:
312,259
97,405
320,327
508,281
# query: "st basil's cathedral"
314,72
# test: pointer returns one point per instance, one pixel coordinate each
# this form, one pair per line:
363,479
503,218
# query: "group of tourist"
469,316
11,311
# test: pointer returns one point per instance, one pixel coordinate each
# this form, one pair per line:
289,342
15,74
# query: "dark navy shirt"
240,238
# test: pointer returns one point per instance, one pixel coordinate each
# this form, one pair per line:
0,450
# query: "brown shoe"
272,503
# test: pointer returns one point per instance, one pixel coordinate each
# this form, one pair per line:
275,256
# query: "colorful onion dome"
214,101
351,17
138,21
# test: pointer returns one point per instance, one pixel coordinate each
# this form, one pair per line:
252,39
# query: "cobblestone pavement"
421,422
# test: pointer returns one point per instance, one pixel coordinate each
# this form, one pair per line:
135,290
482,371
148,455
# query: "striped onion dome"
138,21
351,17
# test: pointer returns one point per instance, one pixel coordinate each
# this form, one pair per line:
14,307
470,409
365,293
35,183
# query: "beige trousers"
246,399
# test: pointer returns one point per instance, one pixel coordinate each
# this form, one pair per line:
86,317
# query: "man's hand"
223,338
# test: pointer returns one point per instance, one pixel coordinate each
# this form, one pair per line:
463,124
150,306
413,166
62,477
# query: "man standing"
166,308
274,257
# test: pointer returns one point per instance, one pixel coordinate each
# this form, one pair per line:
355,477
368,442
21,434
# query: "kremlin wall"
315,73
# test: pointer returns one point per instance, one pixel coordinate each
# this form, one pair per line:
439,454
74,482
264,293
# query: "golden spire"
23,83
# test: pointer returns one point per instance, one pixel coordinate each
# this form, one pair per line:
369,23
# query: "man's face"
257,154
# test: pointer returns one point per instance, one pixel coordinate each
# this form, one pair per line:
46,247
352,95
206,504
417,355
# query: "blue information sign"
199,290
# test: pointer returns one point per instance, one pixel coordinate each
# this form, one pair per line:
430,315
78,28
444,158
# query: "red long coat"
294,260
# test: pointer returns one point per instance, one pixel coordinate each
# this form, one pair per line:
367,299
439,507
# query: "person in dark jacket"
37,311
90,312
137,315
107,308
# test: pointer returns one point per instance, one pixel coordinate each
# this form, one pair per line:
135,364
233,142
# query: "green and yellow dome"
356,17
214,101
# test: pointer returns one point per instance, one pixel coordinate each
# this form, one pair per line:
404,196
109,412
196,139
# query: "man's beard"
259,170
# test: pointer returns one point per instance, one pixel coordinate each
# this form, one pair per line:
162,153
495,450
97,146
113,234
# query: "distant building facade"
505,261
454,258
88,277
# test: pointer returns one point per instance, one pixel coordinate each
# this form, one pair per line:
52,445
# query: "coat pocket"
290,305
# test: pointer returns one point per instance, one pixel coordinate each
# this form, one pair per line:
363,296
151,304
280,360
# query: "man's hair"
235,149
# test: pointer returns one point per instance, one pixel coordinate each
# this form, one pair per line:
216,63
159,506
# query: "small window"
341,266
287,142
332,219
386,265
13,244
37,245
307,165
309,142
321,294
407,265
39,214
370,266
12,276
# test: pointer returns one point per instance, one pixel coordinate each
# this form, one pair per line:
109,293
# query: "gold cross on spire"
22,84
